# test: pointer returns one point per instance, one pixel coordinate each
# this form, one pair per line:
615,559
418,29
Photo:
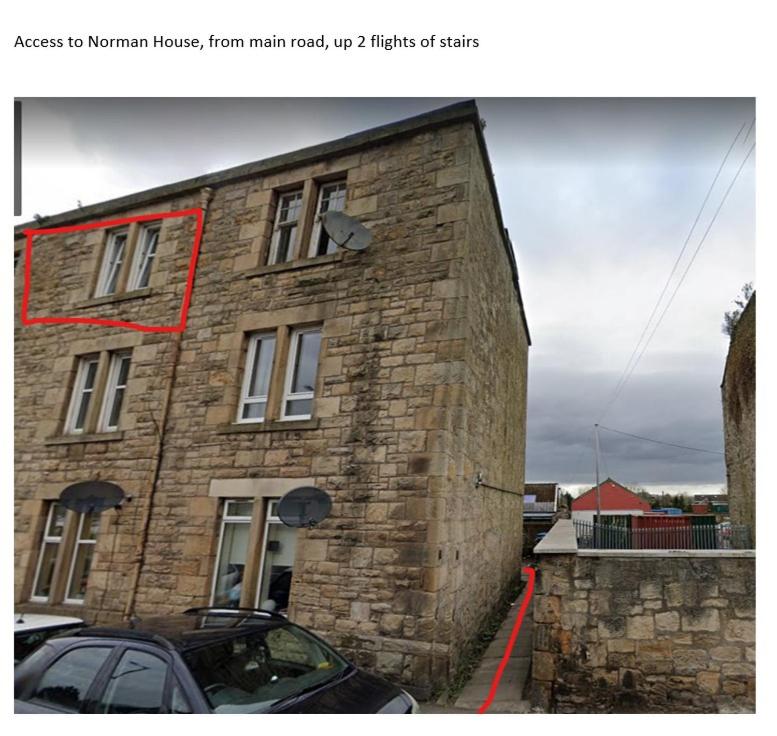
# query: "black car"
203,661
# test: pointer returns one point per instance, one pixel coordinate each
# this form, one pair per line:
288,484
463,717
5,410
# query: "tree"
731,318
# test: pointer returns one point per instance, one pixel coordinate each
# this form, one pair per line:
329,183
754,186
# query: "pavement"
509,695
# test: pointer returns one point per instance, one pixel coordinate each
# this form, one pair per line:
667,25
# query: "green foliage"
731,318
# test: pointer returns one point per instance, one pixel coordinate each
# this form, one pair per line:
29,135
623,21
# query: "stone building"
389,377
738,394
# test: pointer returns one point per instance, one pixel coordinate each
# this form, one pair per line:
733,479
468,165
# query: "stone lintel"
254,487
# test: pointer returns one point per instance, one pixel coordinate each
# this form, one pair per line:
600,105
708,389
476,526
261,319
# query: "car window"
26,642
136,685
286,647
66,682
258,667
179,703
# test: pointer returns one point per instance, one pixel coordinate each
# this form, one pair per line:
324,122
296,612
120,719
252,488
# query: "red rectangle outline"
180,327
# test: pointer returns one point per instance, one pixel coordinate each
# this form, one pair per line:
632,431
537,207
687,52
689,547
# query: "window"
179,703
232,554
86,539
109,391
331,197
26,642
256,380
296,372
280,545
301,373
137,685
286,226
66,683
114,392
47,559
112,260
76,567
144,257
275,547
83,388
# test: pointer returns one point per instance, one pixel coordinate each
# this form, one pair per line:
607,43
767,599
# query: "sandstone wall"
652,634
738,393
488,432
45,362
367,578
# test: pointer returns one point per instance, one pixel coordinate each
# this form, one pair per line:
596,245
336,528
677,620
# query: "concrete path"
509,696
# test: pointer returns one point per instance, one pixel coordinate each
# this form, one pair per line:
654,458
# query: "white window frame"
317,227
253,342
143,255
286,224
111,387
106,270
270,518
290,361
47,539
78,542
78,391
227,518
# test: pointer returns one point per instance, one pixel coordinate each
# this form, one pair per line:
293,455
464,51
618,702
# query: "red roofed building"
614,499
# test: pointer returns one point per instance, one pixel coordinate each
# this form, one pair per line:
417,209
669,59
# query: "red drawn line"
180,327
511,643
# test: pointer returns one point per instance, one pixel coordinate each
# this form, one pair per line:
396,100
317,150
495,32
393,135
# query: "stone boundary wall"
648,631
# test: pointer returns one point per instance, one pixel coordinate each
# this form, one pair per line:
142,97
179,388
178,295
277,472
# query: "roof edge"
465,111
508,244
457,112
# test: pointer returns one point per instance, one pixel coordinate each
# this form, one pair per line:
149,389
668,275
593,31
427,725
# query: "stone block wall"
661,633
487,424
64,268
738,394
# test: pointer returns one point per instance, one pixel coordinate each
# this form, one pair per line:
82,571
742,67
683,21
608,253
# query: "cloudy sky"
599,197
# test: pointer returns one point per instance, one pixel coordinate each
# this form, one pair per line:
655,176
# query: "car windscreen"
250,671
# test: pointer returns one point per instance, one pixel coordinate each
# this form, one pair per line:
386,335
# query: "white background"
591,48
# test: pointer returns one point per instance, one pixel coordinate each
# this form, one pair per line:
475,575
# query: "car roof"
187,631
34,621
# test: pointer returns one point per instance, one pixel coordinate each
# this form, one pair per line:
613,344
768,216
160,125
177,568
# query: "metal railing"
703,536
543,507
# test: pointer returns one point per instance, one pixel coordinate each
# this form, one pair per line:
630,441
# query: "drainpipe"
140,555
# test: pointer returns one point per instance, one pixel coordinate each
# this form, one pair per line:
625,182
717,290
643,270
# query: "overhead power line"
690,263
659,442
631,364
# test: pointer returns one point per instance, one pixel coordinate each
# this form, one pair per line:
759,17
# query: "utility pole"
596,464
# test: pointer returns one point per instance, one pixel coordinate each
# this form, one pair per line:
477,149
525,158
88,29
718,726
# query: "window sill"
276,426
124,296
295,265
76,439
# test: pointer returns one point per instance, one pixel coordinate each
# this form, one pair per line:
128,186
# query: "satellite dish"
304,507
91,496
346,231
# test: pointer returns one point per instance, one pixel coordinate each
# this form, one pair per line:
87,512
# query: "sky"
599,196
